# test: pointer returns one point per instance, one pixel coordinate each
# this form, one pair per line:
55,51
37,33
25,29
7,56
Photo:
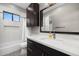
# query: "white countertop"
66,45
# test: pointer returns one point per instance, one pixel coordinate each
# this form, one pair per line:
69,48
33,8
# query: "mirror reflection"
61,18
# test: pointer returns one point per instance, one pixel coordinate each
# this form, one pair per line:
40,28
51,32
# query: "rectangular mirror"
61,18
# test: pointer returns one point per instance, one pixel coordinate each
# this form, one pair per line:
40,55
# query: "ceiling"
25,5
22,5
43,5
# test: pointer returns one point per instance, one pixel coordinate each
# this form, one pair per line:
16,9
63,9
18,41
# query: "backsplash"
68,36
33,30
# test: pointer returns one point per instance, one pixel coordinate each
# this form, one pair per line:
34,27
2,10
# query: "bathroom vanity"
37,49
62,45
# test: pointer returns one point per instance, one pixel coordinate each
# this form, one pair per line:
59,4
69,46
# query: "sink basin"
46,38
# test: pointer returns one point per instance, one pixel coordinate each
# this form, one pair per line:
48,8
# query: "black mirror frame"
41,21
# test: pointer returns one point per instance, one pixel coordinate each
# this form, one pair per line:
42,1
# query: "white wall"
32,31
10,37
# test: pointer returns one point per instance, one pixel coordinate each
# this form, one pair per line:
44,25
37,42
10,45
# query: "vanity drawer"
33,48
52,52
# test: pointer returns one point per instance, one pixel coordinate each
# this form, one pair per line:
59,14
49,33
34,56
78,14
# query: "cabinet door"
32,19
36,7
36,14
36,19
28,20
33,49
33,16
52,52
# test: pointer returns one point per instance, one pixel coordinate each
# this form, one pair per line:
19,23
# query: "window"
7,16
10,16
16,18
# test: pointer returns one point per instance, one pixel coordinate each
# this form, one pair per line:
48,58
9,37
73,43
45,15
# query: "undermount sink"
46,38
